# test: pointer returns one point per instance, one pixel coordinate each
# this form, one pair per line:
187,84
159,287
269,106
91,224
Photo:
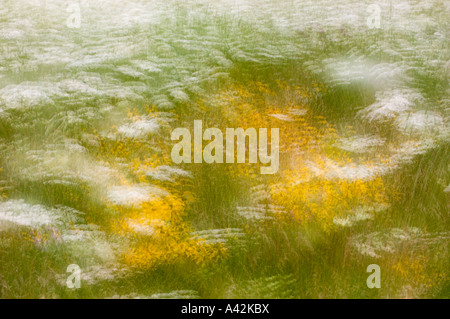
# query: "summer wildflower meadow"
118,163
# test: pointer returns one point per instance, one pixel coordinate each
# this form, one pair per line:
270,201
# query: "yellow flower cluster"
160,235
156,229
304,138
417,273
320,200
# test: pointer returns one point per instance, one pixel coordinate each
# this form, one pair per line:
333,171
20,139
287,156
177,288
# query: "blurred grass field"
86,176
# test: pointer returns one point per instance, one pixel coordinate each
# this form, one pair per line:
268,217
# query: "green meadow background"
90,92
